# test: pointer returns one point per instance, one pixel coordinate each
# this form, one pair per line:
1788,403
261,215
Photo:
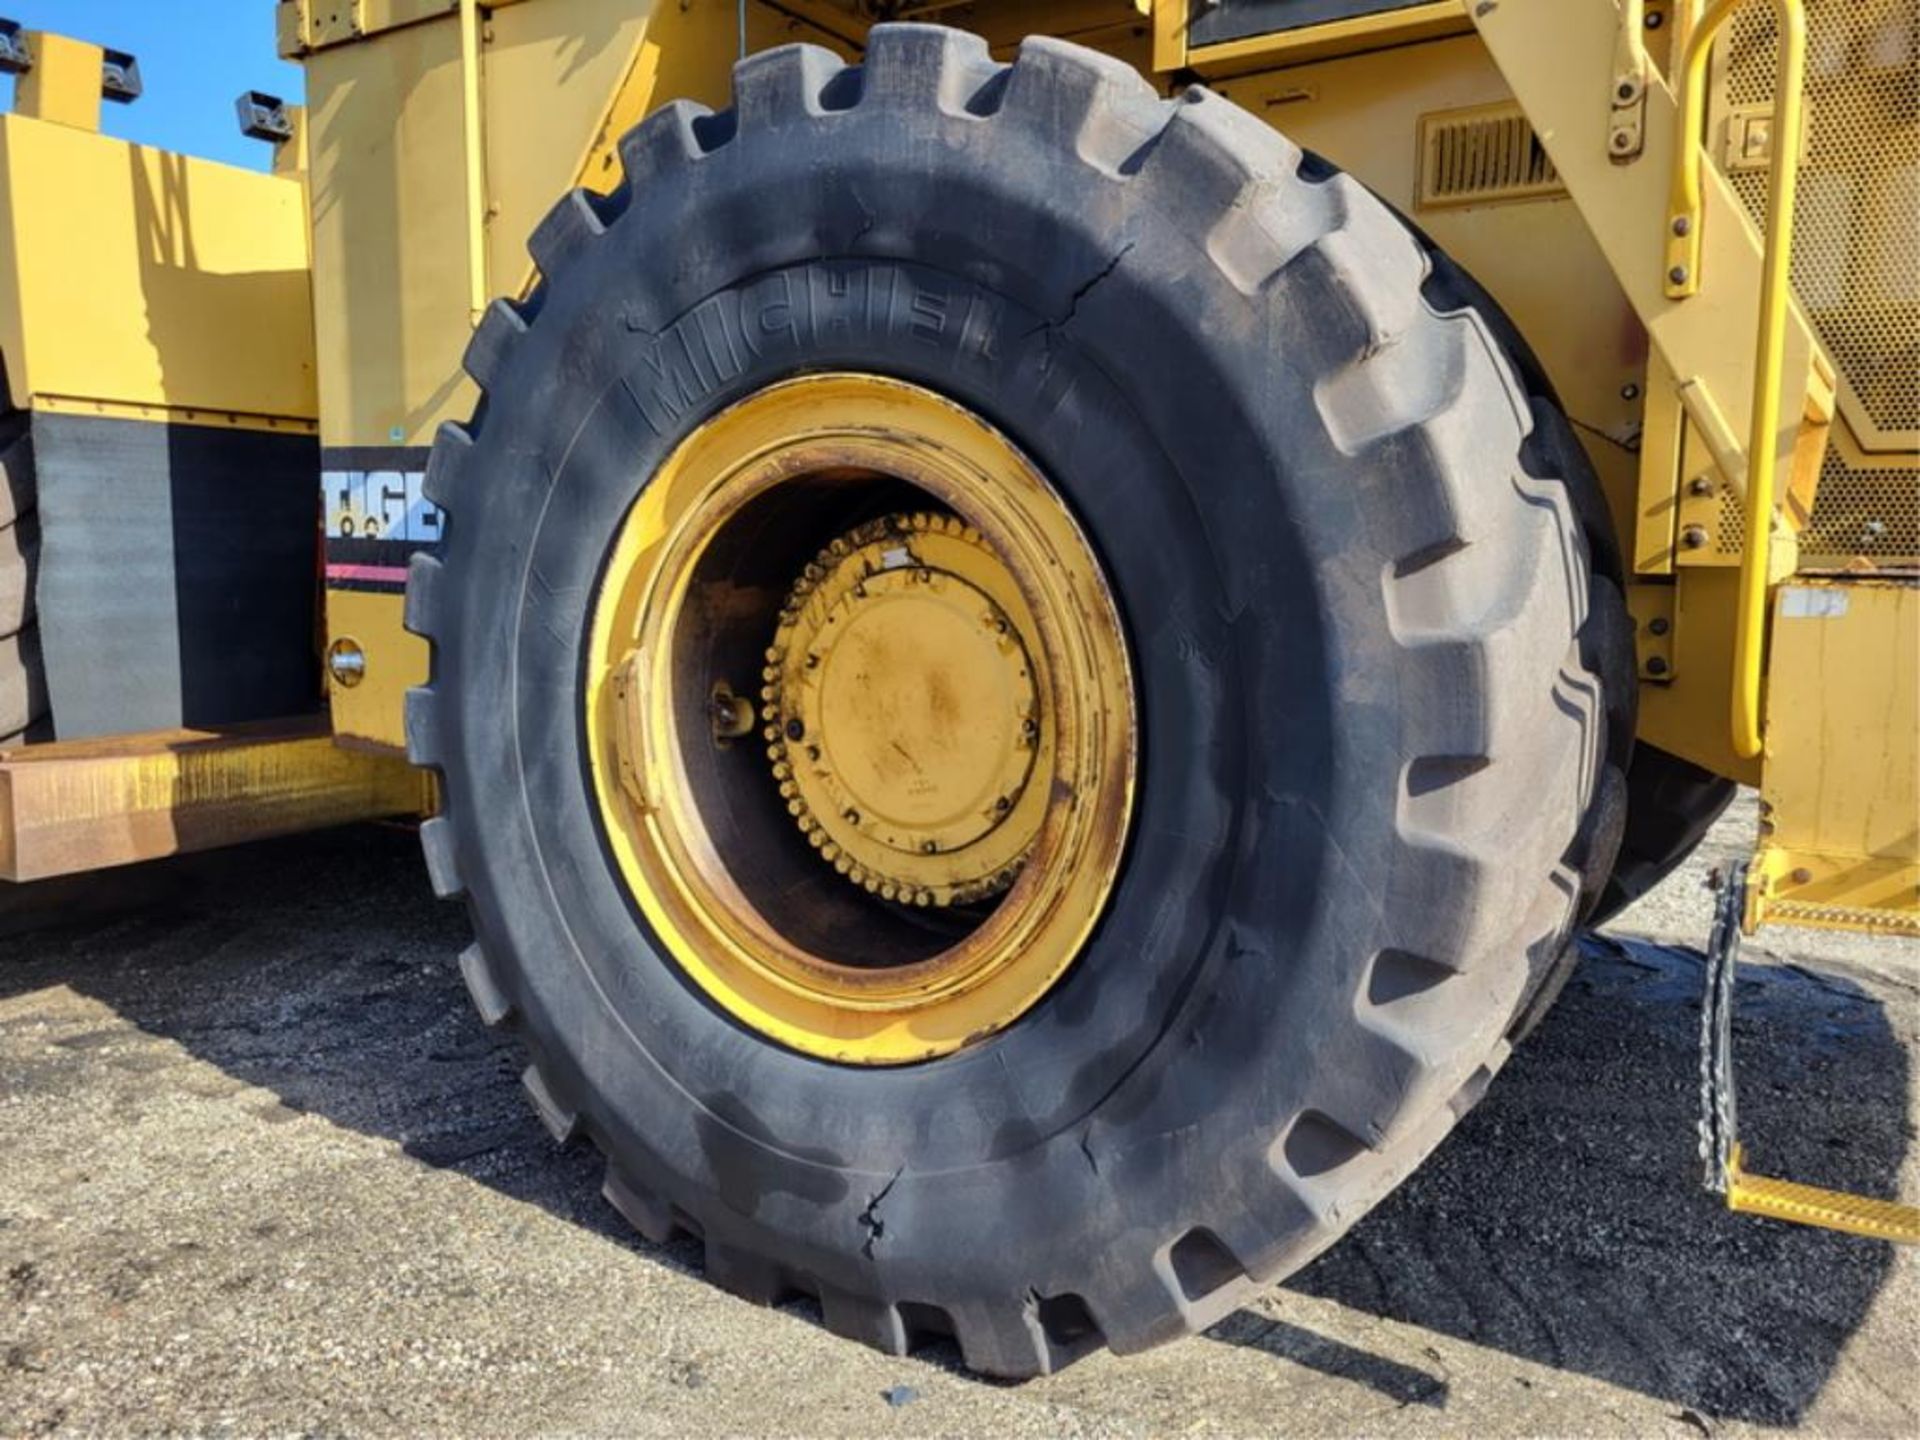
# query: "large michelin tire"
1362,618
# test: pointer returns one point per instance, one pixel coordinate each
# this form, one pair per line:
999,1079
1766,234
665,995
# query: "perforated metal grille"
1729,535
1846,917
1856,260
1483,154
1857,253
1872,513
1867,513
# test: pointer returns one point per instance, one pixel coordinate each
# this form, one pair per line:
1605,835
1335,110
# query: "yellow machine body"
157,290
137,281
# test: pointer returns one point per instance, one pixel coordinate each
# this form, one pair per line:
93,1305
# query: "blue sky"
195,57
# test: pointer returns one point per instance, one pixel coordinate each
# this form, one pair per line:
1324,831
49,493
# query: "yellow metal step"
1720,1146
1828,1209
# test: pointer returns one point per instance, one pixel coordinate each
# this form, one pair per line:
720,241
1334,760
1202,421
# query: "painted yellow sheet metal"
137,277
1840,841
1556,57
387,149
63,87
1687,715
371,710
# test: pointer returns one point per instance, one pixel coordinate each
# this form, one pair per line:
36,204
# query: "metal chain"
1718,1115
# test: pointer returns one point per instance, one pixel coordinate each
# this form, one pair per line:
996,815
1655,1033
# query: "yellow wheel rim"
860,719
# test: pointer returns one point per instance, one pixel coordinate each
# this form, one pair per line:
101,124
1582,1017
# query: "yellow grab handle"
1683,280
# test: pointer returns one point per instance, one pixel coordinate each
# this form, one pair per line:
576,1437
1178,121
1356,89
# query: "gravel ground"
262,1170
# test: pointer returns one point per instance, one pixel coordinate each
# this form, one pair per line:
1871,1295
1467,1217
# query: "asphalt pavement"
261,1170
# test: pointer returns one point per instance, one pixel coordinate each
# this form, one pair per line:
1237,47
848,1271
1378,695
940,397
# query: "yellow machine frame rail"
476,164
77,805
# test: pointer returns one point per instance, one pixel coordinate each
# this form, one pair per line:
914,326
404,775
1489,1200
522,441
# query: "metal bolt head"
731,715
1622,140
1656,665
1659,625
1655,20
1682,224
1678,275
795,730
1802,876
1630,391
1700,486
346,662
1694,536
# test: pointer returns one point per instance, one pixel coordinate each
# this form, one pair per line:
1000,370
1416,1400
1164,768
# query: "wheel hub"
946,704
903,717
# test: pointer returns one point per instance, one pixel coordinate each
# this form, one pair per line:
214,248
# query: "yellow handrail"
476,166
1683,280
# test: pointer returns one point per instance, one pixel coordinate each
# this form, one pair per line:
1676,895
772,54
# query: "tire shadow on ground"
1562,1222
